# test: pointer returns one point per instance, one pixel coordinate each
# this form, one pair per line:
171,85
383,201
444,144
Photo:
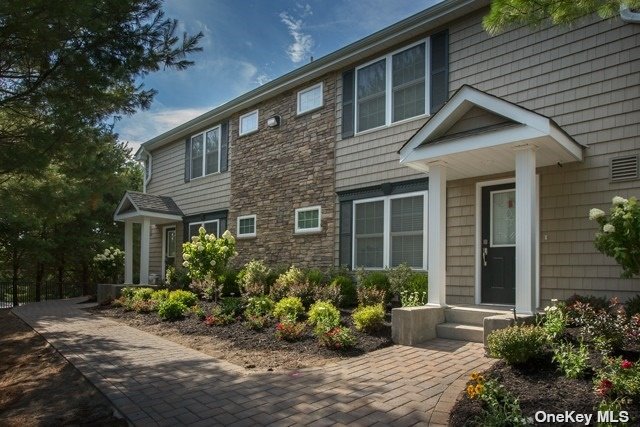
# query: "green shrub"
176,278
604,329
419,282
619,378
288,308
160,295
518,344
171,309
348,294
143,306
256,323
217,318
198,311
231,306
186,298
259,306
399,278
142,294
370,296
500,408
337,338
375,279
368,318
129,292
229,281
324,316
598,303
413,298
632,306
252,279
316,277
292,278
555,320
571,360
289,330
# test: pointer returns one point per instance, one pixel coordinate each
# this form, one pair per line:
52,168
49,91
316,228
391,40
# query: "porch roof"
477,134
136,206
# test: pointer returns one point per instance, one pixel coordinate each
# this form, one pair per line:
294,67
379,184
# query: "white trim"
201,224
388,58
478,240
204,152
386,234
308,230
241,132
491,193
255,226
147,178
146,214
164,248
309,89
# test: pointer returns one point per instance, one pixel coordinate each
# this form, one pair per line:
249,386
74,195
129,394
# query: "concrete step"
460,332
472,315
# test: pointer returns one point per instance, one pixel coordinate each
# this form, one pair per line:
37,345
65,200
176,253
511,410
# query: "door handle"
484,256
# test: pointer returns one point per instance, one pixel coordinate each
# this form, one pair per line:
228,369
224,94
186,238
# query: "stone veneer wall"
276,170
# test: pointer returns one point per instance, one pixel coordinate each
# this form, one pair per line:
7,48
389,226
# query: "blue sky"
249,42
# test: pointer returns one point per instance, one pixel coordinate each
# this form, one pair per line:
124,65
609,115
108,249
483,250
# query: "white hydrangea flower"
235,254
608,228
228,236
619,200
106,251
202,230
213,262
195,238
185,264
224,249
186,257
114,264
200,247
595,213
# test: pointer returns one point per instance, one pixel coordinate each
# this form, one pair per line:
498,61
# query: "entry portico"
476,134
147,210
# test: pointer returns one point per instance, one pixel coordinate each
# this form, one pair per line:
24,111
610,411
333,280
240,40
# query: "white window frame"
386,236
389,87
241,131
164,248
491,244
309,89
204,152
255,226
308,230
202,223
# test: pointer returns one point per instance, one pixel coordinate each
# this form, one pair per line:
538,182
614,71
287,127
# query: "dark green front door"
498,244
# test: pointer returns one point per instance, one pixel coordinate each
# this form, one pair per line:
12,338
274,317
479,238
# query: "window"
205,153
247,226
389,231
210,226
308,219
249,123
392,88
310,99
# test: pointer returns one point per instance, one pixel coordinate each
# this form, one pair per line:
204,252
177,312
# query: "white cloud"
262,79
302,43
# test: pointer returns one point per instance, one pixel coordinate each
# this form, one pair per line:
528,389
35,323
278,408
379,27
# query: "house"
429,142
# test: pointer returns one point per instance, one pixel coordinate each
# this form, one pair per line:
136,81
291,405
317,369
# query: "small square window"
308,219
249,122
247,226
310,99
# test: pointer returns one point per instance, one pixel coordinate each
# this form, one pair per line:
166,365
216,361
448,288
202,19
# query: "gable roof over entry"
477,134
135,205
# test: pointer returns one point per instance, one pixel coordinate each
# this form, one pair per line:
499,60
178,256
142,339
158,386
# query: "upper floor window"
248,123
392,88
308,219
205,153
247,226
310,98
212,227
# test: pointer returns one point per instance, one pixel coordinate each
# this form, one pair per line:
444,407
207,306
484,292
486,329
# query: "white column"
128,252
144,251
525,230
437,254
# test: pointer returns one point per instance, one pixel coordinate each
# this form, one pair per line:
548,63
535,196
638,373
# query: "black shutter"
348,98
346,233
187,160
439,70
224,147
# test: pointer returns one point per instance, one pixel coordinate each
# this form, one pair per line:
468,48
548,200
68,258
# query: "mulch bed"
539,386
251,349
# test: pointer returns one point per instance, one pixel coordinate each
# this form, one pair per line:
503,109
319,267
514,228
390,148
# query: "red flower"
626,364
279,326
604,387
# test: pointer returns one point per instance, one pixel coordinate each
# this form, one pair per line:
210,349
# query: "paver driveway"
153,381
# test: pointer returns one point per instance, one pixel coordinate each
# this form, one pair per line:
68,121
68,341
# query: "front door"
498,244
169,248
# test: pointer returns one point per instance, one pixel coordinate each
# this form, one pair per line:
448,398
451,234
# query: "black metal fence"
28,292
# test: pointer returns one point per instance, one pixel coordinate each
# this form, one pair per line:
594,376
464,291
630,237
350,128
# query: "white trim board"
164,248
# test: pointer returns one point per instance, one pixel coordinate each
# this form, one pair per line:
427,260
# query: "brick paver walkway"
153,381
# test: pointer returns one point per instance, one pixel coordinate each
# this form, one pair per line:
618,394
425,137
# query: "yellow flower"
471,391
474,376
479,389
